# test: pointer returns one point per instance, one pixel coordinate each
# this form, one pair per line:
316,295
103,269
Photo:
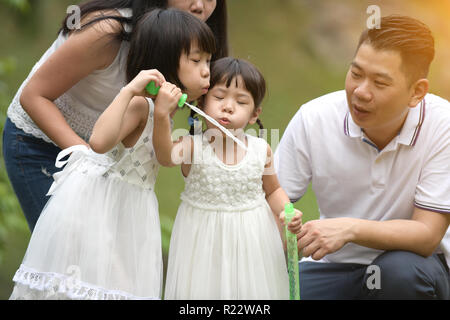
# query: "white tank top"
82,104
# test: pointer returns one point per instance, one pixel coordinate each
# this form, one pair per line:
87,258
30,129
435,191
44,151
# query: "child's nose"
227,107
205,72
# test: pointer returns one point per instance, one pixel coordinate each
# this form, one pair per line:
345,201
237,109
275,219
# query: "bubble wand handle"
153,90
292,255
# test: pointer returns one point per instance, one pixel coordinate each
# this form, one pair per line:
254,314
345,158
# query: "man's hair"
408,36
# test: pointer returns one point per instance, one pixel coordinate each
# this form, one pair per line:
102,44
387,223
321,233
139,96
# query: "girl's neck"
227,150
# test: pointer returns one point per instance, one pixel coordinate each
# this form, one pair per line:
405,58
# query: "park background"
303,48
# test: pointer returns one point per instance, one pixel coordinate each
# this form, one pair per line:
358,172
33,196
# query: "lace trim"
52,284
22,120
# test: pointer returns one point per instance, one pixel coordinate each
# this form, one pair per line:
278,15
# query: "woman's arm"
82,53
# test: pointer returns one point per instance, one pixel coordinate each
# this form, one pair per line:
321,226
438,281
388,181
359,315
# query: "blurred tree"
11,219
21,5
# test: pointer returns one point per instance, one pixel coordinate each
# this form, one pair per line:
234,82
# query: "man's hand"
318,238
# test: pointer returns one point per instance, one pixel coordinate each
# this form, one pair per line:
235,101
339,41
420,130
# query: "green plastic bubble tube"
153,90
292,254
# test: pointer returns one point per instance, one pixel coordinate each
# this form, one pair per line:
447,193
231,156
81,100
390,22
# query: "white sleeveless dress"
98,236
225,243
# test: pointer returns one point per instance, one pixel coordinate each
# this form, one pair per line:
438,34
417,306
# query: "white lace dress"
98,236
225,242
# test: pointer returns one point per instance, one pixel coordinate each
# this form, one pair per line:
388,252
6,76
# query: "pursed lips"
224,121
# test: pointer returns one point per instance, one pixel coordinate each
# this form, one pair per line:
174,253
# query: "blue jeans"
30,164
401,275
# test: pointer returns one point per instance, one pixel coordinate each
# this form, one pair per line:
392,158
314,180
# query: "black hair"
408,36
225,70
217,21
163,35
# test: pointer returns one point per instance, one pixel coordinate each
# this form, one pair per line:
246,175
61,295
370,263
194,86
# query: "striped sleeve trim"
432,208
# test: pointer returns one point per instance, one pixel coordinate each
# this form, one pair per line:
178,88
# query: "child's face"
232,107
193,72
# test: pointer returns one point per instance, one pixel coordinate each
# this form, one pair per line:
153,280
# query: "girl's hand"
138,84
295,225
167,100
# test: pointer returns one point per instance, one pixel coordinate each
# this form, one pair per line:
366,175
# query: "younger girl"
225,242
99,235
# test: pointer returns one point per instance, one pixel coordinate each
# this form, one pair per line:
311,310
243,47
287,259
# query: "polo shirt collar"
410,130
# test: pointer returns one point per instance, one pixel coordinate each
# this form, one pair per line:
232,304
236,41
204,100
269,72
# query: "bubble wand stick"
292,254
153,90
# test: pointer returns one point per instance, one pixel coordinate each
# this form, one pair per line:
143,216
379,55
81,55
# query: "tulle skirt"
226,255
97,238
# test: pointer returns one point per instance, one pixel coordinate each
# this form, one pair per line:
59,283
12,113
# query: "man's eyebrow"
378,74
354,64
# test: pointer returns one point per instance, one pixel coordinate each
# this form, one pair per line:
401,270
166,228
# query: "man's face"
378,91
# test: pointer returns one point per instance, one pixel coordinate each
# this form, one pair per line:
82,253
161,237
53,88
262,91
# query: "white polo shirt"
352,178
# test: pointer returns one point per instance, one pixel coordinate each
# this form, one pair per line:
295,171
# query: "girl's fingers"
158,75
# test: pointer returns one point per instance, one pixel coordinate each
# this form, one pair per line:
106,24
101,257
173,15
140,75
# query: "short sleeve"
292,158
433,189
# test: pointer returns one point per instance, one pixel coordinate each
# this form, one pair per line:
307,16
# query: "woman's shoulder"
102,27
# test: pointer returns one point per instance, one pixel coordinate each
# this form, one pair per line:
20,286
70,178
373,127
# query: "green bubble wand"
292,254
153,90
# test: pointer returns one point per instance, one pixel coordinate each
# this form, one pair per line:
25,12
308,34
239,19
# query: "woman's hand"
138,84
167,100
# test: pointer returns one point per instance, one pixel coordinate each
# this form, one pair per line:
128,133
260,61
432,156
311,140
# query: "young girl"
72,84
225,242
99,235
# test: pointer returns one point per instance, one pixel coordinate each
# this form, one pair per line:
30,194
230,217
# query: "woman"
74,81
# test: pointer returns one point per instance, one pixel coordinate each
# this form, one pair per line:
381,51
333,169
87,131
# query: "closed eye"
381,84
356,75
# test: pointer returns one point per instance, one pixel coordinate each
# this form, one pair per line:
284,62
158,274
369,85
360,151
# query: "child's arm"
126,116
277,197
167,152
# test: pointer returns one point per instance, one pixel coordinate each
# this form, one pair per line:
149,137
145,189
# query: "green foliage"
21,5
11,219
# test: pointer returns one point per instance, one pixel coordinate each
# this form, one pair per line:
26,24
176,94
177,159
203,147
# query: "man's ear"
255,115
418,92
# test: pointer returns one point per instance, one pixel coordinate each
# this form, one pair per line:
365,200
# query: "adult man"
378,157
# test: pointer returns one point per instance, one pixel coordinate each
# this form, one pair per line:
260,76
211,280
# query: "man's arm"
421,235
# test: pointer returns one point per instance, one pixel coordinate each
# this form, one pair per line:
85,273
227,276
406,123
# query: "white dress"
98,236
225,242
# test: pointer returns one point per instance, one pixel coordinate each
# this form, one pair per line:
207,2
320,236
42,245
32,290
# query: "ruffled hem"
36,285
